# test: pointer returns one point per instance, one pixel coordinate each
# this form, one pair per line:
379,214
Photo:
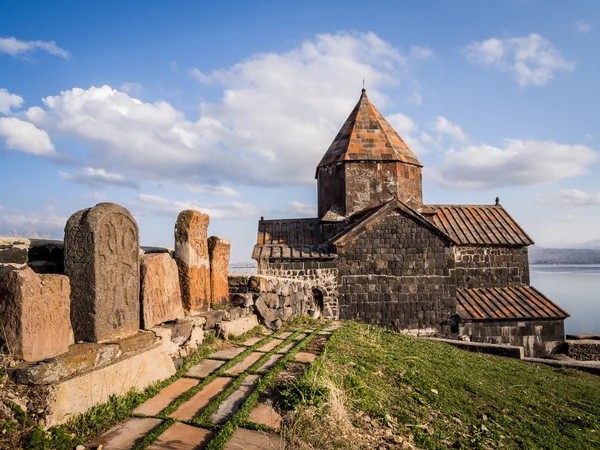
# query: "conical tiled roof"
367,136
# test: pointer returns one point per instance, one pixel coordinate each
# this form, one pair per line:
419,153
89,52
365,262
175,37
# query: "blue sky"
227,107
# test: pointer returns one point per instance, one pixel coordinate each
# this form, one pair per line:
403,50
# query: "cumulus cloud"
99,178
570,197
49,224
146,203
25,137
444,126
583,27
303,209
132,88
418,52
531,60
219,191
409,132
517,163
277,116
9,101
15,47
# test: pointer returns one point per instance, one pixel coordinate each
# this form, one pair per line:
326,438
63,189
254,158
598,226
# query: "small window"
318,299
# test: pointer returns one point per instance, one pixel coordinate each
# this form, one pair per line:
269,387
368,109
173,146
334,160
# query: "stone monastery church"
377,254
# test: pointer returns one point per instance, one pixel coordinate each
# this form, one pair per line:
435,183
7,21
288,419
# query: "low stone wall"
508,351
273,299
582,350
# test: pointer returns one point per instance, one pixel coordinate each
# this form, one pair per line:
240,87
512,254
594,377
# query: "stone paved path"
199,407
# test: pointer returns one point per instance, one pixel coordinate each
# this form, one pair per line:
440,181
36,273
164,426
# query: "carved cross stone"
103,263
219,250
191,254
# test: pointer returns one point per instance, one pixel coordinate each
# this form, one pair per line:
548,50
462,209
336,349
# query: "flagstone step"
269,346
244,364
232,403
287,348
227,353
204,368
165,397
300,336
305,357
264,414
180,436
126,435
285,335
253,440
270,363
198,403
253,340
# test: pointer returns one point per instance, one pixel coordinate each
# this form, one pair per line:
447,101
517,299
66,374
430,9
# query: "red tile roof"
477,225
367,136
511,303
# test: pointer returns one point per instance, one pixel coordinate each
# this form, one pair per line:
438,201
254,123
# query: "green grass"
445,397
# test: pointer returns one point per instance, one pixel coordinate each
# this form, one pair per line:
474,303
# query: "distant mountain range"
540,255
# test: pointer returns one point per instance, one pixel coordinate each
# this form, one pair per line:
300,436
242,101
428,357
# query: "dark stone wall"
482,267
397,274
331,188
537,337
322,275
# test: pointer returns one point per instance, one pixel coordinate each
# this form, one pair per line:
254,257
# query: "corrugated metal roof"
477,224
367,136
510,303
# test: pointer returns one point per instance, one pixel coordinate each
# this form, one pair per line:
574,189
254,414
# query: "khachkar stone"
103,263
191,254
34,313
160,291
218,251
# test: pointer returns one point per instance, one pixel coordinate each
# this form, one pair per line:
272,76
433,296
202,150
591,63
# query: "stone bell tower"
366,165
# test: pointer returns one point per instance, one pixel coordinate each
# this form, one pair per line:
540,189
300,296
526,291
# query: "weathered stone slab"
285,335
213,318
34,313
244,364
227,353
14,251
180,436
160,290
300,337
269,345
191,254
305,357
264,414
239,326
219,250
165,397
102,261
263,311
253,340
204,368
126,435
76,395
253,440
195,405
270,363
286,348
232,403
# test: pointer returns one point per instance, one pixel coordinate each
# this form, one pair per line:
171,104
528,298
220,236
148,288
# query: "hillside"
379,389
540,255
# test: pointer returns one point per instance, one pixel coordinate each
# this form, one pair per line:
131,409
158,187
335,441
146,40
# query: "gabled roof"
364,220
510,303
367,136
477,224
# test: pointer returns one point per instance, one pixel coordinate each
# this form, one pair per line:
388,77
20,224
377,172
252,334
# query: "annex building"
377,254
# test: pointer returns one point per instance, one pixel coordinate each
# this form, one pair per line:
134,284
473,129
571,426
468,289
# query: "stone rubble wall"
583,350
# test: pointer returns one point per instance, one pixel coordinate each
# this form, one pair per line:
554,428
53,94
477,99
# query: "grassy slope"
482,401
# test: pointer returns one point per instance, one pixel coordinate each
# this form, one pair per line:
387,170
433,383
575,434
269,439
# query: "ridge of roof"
367,136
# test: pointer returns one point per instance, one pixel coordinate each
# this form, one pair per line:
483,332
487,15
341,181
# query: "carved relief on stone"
34,313
102,261
219,251
191,254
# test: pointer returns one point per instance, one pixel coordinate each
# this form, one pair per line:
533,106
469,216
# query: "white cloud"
276,118
583,27
570,197
219,191
9,101
408,131
15,47
96,196
1,207
418,52
303,209
25,137
99,178
48,224
517,163
529,59
162,206
132,88
416,99
444,126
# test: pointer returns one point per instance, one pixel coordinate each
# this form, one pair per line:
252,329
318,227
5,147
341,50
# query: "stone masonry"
102,262
191,254
34,313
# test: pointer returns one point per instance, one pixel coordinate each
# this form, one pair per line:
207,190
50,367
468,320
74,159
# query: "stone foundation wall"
397,275
583,350
321,275
479,267
537,337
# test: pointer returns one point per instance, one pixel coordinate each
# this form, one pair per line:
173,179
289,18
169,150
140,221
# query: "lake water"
576,289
